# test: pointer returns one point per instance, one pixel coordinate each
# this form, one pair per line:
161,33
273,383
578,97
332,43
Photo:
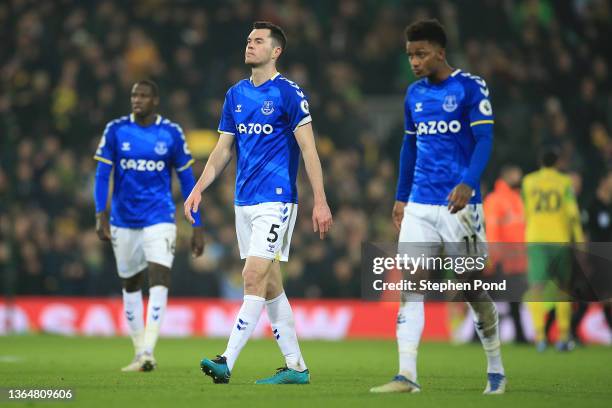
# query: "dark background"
66,68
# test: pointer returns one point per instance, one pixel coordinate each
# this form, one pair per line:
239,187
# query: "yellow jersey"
551,210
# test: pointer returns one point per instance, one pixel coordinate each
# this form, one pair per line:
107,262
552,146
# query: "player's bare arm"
102,215
321,214
103,226
459,197
217,161
398,213
197,241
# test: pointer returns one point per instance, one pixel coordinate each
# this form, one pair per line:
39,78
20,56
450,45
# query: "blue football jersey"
262,119
441,117
143,158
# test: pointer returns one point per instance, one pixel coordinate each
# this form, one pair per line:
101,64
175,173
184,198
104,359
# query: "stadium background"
67,67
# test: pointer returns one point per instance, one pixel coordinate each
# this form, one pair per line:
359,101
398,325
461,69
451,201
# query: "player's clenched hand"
192,203
398,214
103,226
321,218
459,197
197,242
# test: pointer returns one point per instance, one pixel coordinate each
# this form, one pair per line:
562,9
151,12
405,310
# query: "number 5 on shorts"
273,234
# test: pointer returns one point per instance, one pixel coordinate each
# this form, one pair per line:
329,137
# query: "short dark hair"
550,156
507,168
277,33
602,178
151,84
427,30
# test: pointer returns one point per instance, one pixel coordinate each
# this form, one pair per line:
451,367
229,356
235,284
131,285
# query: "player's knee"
477,296
162,279
273,289
159,275
133,283
253,280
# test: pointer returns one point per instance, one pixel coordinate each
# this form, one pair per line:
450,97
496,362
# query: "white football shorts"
438,231
134,248
264,230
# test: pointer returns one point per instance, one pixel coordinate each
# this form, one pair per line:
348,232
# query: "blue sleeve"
409,127
480,156
227,123
106,149
187,183
101,185
480,114
181,157
408,155
182,162
295,105
480,111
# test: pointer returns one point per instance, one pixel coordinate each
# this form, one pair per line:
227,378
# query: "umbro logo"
418,107
125,146
238,108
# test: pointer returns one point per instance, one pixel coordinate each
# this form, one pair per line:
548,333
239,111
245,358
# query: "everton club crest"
450,103
267,107
161,148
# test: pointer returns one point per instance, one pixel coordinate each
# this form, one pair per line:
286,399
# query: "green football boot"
217,369
285,375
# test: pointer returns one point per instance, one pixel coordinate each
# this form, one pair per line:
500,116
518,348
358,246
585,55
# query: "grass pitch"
341,374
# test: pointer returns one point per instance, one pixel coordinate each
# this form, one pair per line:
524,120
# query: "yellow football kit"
552,222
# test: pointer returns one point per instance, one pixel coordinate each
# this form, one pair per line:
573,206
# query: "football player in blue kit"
267,120
142,149
447,143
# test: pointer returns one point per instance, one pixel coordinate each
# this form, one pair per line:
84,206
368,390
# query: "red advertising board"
315,319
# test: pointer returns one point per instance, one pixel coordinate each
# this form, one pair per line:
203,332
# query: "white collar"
271,78
158,119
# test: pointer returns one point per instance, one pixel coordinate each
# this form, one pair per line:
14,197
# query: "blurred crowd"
67,66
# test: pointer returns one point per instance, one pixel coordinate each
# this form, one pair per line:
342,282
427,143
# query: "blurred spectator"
505,227
504,208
